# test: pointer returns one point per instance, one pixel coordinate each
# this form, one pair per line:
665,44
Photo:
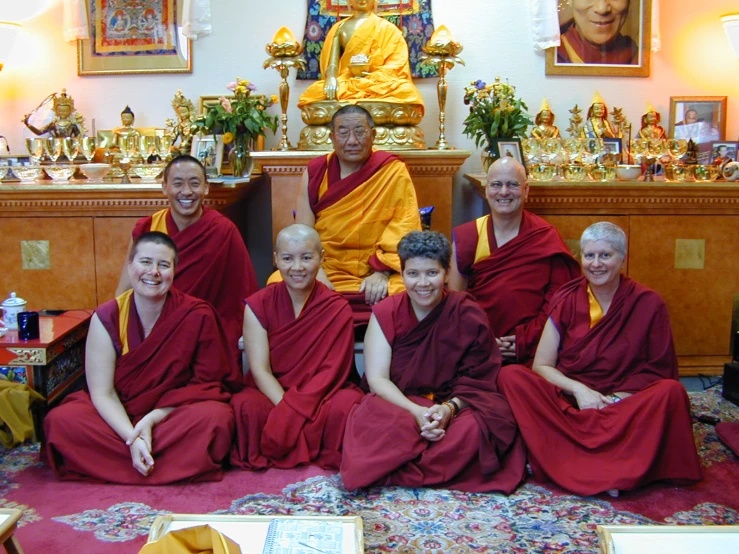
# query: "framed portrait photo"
510,148
134,37
612,42
724,151
209,150
701,118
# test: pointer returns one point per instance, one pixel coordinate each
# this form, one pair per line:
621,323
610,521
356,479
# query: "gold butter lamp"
285,53
441,52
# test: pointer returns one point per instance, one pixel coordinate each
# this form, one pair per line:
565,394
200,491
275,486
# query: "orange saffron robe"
389,76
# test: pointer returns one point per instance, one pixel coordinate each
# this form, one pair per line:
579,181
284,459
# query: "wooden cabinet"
682,242
64,245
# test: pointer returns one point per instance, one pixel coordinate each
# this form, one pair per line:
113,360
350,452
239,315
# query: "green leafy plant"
495,113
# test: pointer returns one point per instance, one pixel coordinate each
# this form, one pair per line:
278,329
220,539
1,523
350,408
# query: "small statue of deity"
66,121
544,127
650,127
123,135
597,124
184,128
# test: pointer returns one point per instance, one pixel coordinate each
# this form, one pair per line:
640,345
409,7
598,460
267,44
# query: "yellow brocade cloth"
16,424
202,539
389,76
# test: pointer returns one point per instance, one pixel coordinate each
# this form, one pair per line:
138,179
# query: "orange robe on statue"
389,76
360,220
183,364
643,438
311,357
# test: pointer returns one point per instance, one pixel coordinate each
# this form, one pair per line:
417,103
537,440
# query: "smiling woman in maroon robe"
435,416
602,409
158,369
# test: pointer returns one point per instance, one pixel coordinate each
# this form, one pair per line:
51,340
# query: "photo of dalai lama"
598,32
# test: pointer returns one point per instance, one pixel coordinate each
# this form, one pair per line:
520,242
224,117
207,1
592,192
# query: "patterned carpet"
70,517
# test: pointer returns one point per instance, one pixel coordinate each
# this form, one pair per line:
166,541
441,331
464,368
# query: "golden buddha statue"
544,127
650,127
66,122
597,124
123,135
364,57
183,129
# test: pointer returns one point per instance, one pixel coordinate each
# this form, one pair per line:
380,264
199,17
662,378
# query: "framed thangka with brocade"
134,37
606,38
413,17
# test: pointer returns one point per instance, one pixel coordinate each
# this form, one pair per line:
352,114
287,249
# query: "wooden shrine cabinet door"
49,261
112,235
693,262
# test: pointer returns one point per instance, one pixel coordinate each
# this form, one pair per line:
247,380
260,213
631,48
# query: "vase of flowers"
242,119
495,114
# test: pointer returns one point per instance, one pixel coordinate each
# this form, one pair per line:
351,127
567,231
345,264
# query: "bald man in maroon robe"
299,340
643,432
512,262
214,262
157,411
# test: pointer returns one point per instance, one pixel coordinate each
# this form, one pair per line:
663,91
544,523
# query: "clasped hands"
140,443
433,421
588,399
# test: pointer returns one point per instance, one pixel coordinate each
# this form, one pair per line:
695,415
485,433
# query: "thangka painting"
413,17
133,27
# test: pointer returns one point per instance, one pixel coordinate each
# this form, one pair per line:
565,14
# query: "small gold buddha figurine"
184,128
544,127
66,122
364,57
650,127
597,124
123,135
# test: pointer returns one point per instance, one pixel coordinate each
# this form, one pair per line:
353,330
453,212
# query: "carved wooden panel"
700,300
69,281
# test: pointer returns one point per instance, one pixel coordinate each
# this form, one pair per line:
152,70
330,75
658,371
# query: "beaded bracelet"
452,408
615,398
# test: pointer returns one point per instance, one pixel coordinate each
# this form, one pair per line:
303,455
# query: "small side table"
8,522
54,364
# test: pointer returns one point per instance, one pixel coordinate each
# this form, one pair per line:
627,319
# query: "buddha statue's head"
650,118
544,117
599,110
63,105
362,6
183,107
127,117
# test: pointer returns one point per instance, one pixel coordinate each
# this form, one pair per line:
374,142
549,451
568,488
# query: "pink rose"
226,103
232,85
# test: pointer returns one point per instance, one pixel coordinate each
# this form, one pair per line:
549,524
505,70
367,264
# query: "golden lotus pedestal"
396,125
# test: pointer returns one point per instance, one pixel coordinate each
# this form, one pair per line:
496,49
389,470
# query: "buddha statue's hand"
330,88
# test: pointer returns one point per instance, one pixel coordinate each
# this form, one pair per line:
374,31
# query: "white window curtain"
75,20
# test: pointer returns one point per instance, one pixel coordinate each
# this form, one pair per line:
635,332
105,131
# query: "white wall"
696,60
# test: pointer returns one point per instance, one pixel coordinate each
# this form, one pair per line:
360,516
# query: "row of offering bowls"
94,172
610,172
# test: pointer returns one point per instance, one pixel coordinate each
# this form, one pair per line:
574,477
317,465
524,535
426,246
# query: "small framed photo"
510,148
209,150
725,151
701,118
593,44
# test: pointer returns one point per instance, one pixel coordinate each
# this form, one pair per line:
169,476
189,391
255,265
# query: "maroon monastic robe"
621,50
450,353
643,438
728,432
183,364
516,281
311,356
214,265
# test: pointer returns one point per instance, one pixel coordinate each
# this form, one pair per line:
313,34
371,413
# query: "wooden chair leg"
12,546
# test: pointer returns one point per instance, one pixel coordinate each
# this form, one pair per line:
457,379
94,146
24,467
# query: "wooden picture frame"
510,148
710,118
634,31
725,149
109,51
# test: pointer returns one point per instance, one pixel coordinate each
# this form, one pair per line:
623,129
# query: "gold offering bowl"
706,173
542,172
602,173
359,69
678,173
27,173
147,172
60,173
574,172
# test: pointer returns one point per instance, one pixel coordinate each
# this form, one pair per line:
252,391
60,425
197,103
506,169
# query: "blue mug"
28,326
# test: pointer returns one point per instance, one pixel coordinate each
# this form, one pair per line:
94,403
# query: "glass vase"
240,158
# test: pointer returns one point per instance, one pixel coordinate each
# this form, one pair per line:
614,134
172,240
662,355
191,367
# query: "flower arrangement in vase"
495,114
242,119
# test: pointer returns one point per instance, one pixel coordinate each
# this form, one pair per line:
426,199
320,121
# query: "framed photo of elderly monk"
510,148
701,118
602,37
134,37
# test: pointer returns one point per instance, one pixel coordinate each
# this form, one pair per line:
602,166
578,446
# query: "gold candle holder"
284,53
441,52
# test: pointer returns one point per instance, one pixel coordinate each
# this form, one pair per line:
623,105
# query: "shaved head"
298,233
507,164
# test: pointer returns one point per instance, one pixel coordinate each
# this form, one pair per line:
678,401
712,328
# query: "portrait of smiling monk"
593,34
